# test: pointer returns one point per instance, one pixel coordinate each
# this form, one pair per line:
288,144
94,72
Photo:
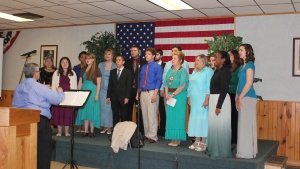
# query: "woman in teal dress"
90,79
106,112
175,87
198,96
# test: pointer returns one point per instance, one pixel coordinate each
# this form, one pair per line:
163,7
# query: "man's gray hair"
29,69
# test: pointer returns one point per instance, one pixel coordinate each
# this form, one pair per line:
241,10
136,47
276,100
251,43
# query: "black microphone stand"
27,56
138,111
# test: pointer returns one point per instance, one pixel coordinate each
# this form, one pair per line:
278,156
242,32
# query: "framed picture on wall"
296,57
49,52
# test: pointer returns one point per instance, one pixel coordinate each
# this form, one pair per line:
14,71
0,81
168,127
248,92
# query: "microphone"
28,53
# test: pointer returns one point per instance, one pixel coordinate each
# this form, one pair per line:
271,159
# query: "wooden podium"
18,138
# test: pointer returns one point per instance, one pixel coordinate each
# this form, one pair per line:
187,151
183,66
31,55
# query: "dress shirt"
168,67
154,76
120,69
33,95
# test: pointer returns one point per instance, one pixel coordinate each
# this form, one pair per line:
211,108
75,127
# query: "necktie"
145,76
134,65
119,72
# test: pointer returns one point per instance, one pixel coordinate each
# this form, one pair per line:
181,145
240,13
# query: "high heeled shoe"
176,144
92,135
103,131
201,148
192,147
85,134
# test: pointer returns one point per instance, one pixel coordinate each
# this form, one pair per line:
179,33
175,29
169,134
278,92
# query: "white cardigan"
55,81
123,132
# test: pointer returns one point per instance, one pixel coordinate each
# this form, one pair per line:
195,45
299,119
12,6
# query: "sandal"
192,147
201,149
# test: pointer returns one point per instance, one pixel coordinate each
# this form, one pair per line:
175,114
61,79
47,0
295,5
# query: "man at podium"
33,95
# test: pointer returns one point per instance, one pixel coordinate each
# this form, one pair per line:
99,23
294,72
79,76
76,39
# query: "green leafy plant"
224,42
100,42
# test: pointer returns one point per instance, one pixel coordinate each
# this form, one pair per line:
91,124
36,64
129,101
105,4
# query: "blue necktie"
119,72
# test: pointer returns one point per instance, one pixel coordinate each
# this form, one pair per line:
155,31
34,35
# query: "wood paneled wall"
280,120
276,120
7,98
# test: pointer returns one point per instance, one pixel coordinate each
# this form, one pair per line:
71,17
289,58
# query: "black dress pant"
162,116
119,111
44,144
129,110
234,119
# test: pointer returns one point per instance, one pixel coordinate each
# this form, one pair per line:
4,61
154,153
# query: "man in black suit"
161,106
119,90
132,65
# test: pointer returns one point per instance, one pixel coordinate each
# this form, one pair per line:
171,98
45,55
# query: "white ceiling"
84,12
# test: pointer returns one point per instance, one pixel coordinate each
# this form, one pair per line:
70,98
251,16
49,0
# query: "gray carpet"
96,152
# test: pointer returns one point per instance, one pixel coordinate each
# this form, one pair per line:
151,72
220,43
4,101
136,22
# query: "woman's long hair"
61,70
249,53
91,71
236,60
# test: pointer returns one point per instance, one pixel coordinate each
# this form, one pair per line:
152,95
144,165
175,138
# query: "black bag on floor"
134,140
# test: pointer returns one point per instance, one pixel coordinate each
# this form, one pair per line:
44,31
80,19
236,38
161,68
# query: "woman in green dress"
90,79
175,87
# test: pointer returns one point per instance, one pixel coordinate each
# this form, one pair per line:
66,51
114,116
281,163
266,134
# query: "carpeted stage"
96,152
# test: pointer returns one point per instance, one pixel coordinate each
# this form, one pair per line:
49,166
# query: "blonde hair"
203,58
109,50
180,56
91,71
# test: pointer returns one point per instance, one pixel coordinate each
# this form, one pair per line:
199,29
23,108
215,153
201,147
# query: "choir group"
220,93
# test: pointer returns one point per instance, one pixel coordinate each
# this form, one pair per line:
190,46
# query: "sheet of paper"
74,98
171,102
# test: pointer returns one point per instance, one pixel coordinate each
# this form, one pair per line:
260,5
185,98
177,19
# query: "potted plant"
224,42
100,42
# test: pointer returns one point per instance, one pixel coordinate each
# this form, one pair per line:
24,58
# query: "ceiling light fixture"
171,4
13,18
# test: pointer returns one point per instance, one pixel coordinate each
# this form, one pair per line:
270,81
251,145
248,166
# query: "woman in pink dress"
65,78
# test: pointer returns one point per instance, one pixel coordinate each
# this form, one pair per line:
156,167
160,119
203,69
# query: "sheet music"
171,101
75,98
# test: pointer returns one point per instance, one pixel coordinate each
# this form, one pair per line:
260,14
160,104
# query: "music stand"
74,99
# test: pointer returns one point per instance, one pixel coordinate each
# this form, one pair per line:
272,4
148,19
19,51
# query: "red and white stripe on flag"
190,35
9,39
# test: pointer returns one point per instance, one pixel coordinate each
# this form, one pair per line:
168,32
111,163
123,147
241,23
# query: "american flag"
189,34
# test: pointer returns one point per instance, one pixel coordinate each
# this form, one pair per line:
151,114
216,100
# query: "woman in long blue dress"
175,87
90,79
106,112
198,96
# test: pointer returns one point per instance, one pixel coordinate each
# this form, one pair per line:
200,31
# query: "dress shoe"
67,134
170,144
151,140
92,135
58,134
85,134
201,148
192,147
176,144
103,131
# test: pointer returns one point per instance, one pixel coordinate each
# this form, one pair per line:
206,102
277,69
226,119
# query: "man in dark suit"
161,105
119,90
132,65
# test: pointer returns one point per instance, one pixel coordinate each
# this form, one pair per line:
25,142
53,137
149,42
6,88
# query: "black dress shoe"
85,134
151,141
92,135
